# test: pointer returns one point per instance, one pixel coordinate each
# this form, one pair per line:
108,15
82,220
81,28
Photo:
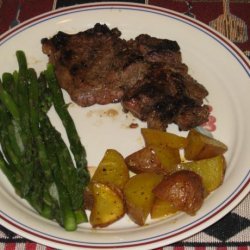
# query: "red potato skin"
148,160
184,189
144,161
88,199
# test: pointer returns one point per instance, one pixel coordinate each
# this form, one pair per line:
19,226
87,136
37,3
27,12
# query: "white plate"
212,60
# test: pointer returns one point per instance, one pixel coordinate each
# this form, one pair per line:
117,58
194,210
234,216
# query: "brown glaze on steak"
145,74
167,96
94,66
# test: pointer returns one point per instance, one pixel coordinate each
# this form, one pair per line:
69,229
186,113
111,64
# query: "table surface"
232,231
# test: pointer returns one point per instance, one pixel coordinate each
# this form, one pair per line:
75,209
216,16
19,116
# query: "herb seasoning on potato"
154,181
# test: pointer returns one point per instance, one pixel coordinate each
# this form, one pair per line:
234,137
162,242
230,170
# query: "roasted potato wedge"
108,205
112,170
162,208
200,146
183,189
154,159
211,170
169,157
144,160
139,197
157,137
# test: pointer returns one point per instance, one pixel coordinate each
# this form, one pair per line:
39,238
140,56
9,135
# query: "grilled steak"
166,96
94,65
145,74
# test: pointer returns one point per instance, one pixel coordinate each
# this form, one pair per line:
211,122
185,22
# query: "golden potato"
158,137
154,159
112,170
169,157
200,146
108,205
211,171
139,196
183,189
162,208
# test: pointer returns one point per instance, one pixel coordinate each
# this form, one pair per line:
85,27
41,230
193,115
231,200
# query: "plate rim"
233,201
109,5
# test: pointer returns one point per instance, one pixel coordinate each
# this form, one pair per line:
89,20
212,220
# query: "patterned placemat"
231,18
231,232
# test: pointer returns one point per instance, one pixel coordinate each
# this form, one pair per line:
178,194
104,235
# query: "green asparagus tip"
22,61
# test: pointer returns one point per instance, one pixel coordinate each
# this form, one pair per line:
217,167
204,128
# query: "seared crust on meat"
145,74
93,65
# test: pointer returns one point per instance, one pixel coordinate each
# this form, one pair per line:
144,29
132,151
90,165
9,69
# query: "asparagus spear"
22,61
82,176
23,95
22,101
34,123
4,166
67,214
61,108
69,174
9,106
45,97
62,175
36,157
9,84
9,103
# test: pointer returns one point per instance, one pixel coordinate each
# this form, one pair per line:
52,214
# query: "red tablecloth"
230,232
